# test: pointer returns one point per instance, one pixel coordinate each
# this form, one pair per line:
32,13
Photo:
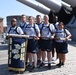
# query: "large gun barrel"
46,6
62,9
39,7
66,5
52,4
59,9
71,2
55,5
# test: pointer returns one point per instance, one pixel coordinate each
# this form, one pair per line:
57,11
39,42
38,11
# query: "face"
55,19
31,20
23,18
14,22
61,26
46,18
38,19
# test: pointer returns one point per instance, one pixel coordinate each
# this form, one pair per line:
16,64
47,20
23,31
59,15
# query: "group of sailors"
44,38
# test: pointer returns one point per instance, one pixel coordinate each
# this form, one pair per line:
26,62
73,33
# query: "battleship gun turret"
64,9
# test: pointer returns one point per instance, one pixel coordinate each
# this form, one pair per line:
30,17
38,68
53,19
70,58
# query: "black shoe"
38,62
62,64
27,64
49,66
41,65
33,68
59,65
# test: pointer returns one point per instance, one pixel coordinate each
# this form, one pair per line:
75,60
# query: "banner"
17,53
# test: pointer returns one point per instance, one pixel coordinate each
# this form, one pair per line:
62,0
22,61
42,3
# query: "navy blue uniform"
46,33
61,45
32,30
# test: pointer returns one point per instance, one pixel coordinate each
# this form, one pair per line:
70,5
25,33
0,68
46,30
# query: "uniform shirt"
62,34
56,25
32,30
47,30
23,25
14,31
39,25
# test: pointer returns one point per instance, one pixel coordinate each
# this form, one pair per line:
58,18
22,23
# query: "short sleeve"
56,25
67,32
37,28
20,31
52,28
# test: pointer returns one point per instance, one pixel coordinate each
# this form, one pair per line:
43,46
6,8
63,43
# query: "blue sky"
12,7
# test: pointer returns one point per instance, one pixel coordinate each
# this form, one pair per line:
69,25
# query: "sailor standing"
62,35
23,25
32,47
47,35
14,29
39,23
15,60
55,23
23,22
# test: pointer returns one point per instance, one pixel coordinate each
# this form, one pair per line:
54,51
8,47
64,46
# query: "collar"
39,23
13,27
46,24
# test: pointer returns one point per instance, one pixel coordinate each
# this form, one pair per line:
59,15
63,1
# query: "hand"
66,38
52,37
57,38
36,38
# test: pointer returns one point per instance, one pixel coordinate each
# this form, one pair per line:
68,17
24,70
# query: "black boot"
59,65
41,65
62,64
49,66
